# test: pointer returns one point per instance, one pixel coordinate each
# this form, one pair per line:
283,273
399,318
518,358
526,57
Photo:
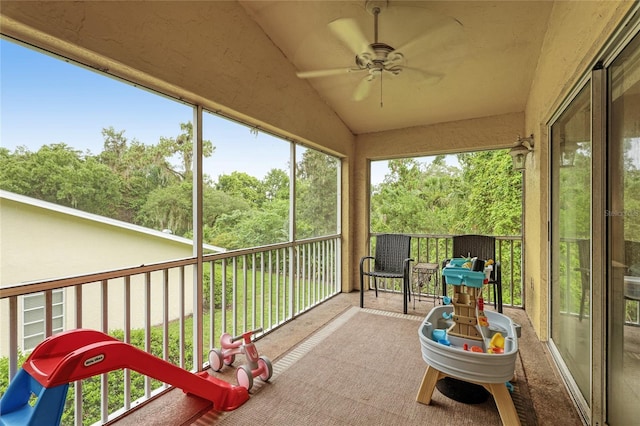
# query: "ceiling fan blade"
325,73
363,88
349,32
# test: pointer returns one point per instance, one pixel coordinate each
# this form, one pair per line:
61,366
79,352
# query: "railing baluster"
262,294
299,292
234,307
77,385
305,275
314,272
212,305
165,314
104,378
48,313
223,289
13,337
253,291
278,286
270,289
127,339
245,296
147,327
293,278
511,276
182,318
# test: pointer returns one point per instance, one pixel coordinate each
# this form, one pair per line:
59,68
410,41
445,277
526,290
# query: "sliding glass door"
595,239
571,242
623,216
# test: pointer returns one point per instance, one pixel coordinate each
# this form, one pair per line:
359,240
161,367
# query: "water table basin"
454,361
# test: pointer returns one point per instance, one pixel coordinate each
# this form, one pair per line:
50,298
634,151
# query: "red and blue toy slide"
79,354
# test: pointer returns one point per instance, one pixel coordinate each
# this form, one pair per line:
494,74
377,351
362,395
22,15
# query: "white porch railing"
152,306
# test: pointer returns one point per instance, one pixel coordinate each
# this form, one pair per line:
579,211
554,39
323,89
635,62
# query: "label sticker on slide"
93,360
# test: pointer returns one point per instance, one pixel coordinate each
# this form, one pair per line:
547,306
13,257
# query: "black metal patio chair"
391,260
483,247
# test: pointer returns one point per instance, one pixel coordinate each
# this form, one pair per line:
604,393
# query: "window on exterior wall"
316,193
33,316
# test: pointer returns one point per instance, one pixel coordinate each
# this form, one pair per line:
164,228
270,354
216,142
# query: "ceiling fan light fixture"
375,59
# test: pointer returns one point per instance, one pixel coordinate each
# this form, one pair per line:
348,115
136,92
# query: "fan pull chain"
381,74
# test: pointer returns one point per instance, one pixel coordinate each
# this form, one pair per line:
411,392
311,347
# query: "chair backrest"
391,252
481,246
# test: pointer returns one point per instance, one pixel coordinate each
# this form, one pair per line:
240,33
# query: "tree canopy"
482,194
151,185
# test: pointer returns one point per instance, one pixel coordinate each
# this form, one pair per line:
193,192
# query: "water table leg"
431,376
507,410
499,391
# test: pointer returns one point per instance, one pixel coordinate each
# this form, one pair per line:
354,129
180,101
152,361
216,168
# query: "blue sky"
45,100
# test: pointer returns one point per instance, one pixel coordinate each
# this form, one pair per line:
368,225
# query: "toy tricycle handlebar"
246,335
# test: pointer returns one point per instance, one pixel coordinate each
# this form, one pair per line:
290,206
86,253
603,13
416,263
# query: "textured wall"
38,243
576,33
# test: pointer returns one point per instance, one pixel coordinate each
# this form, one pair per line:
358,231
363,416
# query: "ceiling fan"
376,59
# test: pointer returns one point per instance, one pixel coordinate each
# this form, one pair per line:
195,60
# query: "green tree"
60,174
415,198
482,196
316,194
146,170
276,185
493,194
181,149
253,227
242,185
169,207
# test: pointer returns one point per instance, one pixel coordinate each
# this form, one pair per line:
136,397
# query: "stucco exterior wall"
37,243
40,244
576,33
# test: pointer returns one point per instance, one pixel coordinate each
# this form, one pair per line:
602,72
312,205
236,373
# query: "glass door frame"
584,406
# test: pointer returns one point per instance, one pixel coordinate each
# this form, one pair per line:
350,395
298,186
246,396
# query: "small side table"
426,273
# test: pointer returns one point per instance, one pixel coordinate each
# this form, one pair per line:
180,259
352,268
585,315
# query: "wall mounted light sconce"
520,151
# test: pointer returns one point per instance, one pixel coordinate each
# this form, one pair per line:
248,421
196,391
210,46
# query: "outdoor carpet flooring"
362,368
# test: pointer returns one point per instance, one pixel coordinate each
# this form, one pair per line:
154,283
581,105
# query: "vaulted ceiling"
460,59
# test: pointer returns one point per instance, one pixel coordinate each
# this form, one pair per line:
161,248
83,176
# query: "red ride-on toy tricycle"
256,366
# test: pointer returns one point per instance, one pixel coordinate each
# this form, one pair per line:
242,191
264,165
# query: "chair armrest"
362,262
407,262
496,274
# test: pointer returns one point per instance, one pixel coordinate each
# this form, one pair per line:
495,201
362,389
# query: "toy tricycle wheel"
244,377
265,364
215,359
